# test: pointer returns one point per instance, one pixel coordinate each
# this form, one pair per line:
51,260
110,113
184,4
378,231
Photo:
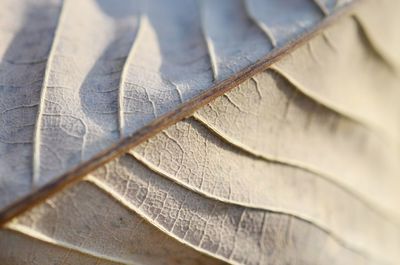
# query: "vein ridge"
40,113
124,202
210,46
31,233
109,191
326,103
321,7
264,28
121,94
371,43
297,164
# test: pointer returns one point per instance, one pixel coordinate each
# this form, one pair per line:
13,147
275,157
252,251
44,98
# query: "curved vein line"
370,125
31,233
305,217
124,202
264,28
324,10
381,211
142,160
373,45
210,46
121,85
108,190
38,125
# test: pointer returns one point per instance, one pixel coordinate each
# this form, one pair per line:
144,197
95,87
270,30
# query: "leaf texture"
101,70
297,165
320,128
27,32
86,226
231,233
73,123
190,156
382,38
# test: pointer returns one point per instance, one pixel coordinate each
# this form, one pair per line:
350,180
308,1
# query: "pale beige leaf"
291,125
237,234
78,76
85,225
37,252
297,165
22,24
192,156
343,71
383,38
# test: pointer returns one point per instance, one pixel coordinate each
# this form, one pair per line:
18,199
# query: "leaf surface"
230,233
85,226
295,125
97,71
22,24
296,165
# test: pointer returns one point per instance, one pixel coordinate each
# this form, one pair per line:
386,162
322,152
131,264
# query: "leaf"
363,103
85,226
190,155
232,43
382,38
104,70
79,98
25,24
282,169
296,122
236,234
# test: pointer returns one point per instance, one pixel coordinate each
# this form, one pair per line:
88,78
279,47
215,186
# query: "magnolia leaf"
298,164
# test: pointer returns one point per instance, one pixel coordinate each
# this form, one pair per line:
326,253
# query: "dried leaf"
297,165
86,226
101,70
